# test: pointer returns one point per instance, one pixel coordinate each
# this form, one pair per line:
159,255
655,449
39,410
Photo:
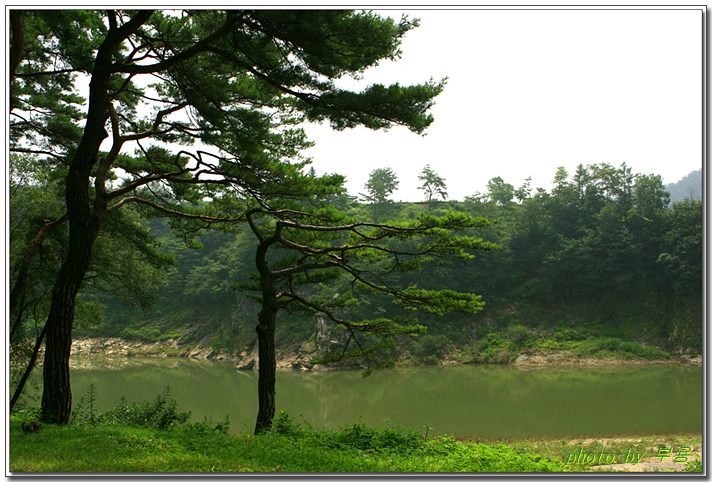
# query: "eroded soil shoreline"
299,356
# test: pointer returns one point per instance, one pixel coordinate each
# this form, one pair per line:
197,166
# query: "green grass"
605,347
298,449
288,448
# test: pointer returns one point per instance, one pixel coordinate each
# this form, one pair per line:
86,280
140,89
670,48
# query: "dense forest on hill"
604,256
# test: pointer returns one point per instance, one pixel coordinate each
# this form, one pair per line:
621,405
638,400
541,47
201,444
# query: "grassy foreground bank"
290,449
152,436
295,448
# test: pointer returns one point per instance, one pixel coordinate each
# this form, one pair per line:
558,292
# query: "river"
463,400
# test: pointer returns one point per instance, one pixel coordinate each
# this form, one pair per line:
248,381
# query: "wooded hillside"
603,254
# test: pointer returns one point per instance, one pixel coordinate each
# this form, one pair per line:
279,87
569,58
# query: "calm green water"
483,401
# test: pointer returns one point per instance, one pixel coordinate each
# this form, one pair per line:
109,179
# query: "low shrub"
492,348
520,335
629,349
442,453
27,414
144,333
430,348
160,413
351,437
390,439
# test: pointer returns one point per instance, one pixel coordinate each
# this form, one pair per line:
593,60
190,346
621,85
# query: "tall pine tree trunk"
267,366
85,221
265,336
83,229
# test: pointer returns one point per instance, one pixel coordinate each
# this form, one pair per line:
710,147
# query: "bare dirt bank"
567,358
298,356
295,356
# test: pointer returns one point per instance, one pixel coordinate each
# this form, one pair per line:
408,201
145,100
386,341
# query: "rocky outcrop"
248,362
111,347
297,356
203,351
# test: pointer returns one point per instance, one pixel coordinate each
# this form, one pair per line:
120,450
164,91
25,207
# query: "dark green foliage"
682,247
430,346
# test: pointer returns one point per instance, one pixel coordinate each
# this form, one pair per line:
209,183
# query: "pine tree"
239,81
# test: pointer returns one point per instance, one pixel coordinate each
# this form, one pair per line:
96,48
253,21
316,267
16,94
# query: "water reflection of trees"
466,400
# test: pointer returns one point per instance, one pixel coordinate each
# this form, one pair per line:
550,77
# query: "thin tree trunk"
18,291
84,226
28,370
18,328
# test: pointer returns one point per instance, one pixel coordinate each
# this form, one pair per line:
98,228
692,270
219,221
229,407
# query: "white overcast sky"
530,90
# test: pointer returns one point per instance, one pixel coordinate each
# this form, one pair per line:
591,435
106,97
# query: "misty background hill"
689,187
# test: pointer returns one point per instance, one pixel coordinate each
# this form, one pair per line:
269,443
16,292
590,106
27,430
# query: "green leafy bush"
285,425
207,426
85,413
520,335
144,333
160,413
444,453
360,437
27,414
429,348
630,349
